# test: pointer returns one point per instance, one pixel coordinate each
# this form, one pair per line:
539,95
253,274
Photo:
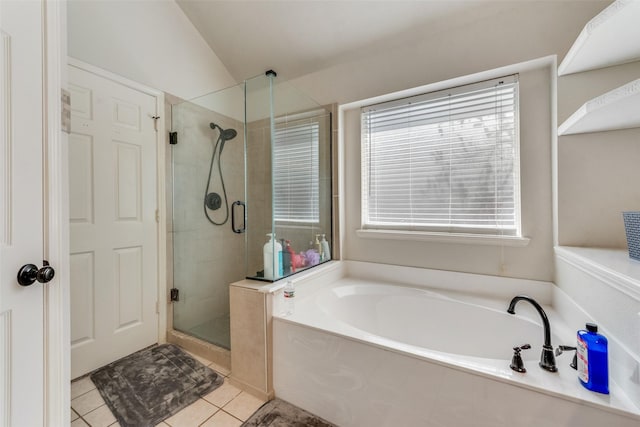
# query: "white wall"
457,47
462,47
151,42
533,261
598,173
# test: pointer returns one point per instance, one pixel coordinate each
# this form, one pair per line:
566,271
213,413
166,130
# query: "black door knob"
46,273
29,273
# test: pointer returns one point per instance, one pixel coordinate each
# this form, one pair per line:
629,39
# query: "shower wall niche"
251,162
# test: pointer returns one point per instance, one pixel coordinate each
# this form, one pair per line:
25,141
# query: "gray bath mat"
149,386
278,413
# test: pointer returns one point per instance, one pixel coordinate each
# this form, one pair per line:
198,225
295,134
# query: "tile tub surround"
252,305
350,377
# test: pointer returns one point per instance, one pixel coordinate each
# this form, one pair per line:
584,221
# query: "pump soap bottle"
319,245
593,369
326,252
272,257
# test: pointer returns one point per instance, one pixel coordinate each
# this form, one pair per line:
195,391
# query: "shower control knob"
29,273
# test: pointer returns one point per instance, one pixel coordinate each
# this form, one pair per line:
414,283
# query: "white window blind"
444,161
295,174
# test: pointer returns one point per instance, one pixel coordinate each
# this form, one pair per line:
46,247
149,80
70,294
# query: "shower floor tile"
215,331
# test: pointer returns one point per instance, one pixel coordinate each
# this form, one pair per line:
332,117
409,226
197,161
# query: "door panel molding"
5,138
81,101
83,272
81,181
128,276
128,196
5,369
126,115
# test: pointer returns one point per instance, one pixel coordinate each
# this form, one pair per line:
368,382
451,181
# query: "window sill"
297,225
457,238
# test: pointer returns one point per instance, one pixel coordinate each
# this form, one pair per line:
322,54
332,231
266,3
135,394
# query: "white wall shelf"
612,266
617,109
608,39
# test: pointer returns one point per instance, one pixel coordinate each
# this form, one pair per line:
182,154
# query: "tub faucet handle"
516,362
574,362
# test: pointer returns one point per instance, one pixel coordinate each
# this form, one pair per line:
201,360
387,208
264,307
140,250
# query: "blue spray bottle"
593,369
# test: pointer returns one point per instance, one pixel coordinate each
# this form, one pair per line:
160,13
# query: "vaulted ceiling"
299,37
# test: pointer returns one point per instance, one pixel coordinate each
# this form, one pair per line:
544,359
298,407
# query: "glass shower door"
207,174
257,157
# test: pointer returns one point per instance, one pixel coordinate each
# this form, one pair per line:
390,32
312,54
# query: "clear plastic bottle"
593,369
289,301
286,258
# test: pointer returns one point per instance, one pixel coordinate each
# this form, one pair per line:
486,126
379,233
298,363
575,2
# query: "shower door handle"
233,217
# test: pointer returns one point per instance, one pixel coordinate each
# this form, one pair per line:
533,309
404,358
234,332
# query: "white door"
21,213
114,248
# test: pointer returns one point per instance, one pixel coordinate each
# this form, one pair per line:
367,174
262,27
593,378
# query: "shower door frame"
215,352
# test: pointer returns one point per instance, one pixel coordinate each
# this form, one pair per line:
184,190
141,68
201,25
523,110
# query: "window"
446,161
295,172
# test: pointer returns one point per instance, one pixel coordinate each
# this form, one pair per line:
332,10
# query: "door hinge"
175,295
157,215
173,138
155,122
157,307
66,111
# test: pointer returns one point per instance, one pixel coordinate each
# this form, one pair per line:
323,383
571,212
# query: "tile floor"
226,406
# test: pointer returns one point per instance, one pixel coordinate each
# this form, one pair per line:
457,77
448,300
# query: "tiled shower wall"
204,258
302,236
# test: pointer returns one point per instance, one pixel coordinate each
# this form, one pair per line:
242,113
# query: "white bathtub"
415,317
362,352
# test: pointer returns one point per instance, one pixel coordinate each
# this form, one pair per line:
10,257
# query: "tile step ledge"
612,266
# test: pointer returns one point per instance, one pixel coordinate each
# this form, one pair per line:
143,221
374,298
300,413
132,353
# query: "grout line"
222,410
85,421
80,395
237,417
210,416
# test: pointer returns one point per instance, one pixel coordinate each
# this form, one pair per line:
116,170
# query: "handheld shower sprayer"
225,134
212,200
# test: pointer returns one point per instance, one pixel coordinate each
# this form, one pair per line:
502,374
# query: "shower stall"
250,196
